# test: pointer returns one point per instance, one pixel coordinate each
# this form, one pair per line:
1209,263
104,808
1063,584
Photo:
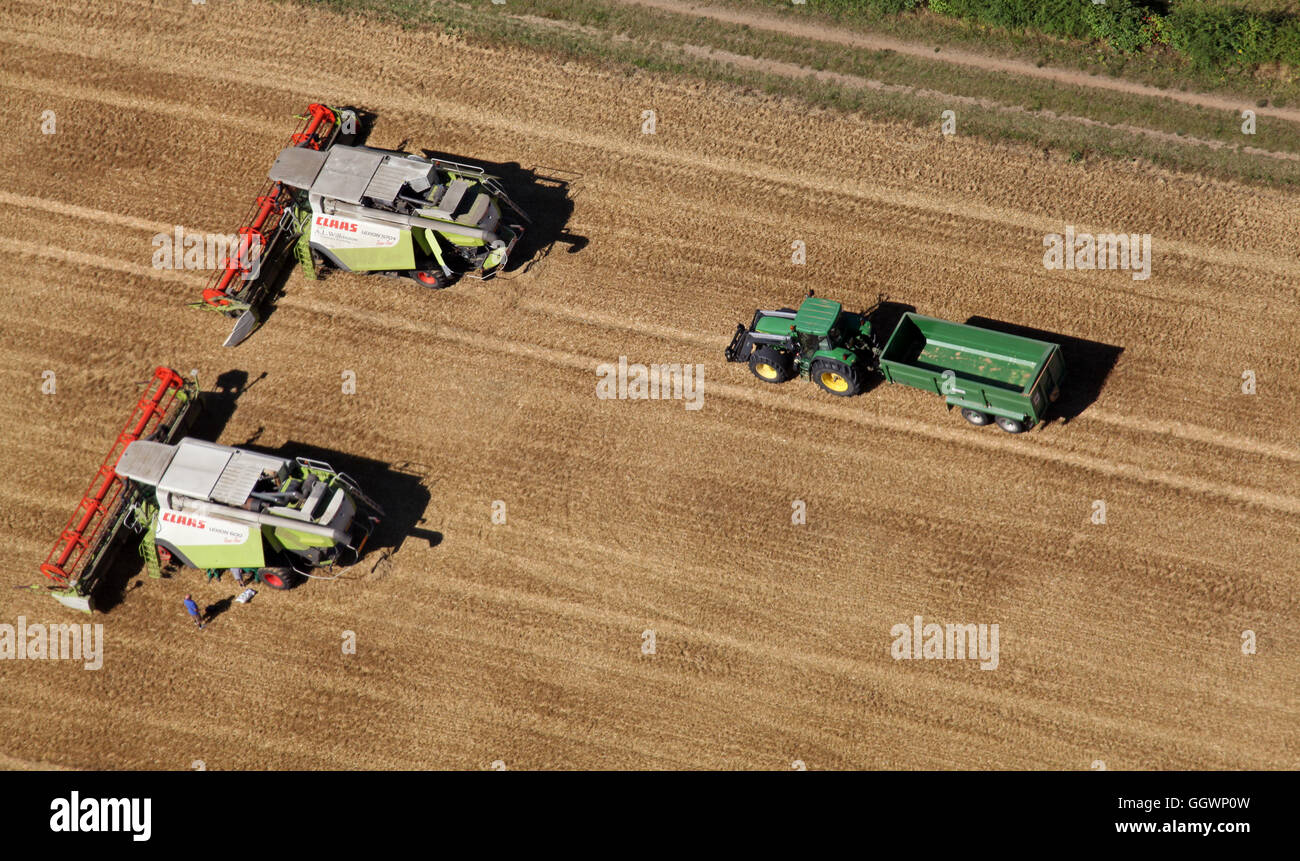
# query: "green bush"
1119,23
1218,37
1286,43
1059,17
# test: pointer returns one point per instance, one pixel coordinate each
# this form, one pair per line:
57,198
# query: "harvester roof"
816,315
197,469
350,173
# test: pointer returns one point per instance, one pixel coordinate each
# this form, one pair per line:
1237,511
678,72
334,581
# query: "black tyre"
976,417
837,378
278,578
1010,425
771,365
434,279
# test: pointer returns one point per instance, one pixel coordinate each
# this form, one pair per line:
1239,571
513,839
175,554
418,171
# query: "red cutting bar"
265,213
83,528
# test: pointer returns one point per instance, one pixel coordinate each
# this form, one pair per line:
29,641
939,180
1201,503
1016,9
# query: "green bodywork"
991,372
984,370
250,554
823,330
399,257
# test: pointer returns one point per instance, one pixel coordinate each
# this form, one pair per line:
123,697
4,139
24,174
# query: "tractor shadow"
1087,365
884,316
401,490
216,405
546,195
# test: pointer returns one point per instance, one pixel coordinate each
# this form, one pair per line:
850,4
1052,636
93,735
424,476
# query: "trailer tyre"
770,365
1010,425
836,377
976,417
278,578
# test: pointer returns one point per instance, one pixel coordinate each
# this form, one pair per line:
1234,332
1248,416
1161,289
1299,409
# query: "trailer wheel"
1010,425
770,365
836,377
278,578
434,279
976,417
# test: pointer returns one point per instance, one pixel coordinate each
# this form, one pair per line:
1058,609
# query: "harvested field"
523,642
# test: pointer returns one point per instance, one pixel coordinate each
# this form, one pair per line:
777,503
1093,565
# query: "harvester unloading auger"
206,506
336,205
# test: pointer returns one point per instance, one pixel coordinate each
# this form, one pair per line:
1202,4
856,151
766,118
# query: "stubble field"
522,642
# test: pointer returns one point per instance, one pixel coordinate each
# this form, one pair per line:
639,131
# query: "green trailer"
993,377
988,375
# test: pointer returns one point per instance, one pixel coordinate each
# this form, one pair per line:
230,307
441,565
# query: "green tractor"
993,377
821,341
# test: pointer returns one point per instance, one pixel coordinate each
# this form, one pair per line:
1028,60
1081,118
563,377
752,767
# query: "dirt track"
522,642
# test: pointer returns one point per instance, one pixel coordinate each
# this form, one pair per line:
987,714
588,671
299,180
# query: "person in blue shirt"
193,610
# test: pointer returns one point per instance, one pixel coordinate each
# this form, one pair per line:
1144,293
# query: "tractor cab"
820,341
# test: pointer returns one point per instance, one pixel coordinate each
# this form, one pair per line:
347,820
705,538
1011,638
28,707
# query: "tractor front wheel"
836,377
434,279
976,417
278,578
770,365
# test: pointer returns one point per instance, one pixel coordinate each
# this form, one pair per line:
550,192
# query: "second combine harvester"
336,205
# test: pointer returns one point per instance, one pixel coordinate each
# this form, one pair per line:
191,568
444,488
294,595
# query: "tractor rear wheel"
1010,425
976,417
278,578
836,377
434,279
770,365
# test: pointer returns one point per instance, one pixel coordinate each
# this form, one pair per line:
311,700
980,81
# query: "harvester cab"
820,341
206,506
216,507
333,204
371,210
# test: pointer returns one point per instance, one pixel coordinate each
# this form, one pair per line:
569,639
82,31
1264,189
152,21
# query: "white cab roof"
197,469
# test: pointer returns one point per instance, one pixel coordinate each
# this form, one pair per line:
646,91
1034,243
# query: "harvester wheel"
770,365
435,279
278,578
976,417
1010,425
836,377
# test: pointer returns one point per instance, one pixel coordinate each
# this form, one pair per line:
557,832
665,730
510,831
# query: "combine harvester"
205,506
333,205
993,377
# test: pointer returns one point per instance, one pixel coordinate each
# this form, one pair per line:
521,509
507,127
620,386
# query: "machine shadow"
884,316
1087,365
547,198
399,491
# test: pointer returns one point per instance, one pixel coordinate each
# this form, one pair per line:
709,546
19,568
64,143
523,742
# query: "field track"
522,642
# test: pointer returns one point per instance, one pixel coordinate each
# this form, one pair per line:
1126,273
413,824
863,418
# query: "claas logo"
182,520
322,221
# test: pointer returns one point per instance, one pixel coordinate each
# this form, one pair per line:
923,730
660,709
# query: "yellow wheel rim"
766,371
834,382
